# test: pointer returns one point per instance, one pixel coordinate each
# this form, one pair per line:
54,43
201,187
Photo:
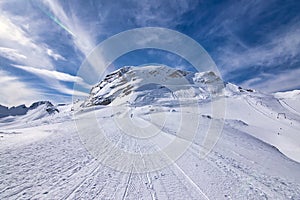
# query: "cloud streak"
83,38
53,79
275,82
283,48
256,42
16,42
23,42
12,54
16,92
51,74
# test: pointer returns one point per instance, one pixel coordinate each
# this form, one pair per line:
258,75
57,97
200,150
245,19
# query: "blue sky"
255,44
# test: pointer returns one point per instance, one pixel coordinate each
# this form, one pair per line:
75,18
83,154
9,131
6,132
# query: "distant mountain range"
22,109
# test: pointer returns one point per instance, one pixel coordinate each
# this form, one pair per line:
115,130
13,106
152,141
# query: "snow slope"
290,100
47,159
150,85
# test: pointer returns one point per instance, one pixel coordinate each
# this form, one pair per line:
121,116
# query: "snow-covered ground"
257,155
290,100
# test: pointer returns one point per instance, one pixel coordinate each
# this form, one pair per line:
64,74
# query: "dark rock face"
22,109
13,111
52,110
3,111
37,104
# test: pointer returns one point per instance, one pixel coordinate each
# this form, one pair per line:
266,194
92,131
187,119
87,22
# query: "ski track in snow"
288,107
58,166
251,182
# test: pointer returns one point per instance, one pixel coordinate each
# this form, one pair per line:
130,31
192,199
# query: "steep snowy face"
152,84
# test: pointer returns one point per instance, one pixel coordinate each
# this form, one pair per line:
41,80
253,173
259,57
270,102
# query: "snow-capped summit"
294,94
150,84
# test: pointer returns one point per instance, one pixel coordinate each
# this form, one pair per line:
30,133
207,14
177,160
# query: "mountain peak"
150,84
22,109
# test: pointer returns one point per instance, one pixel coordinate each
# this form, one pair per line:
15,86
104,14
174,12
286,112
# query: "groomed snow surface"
256,157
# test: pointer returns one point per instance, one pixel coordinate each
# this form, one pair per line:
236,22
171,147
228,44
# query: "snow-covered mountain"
47,106
151,84
133,113
162,86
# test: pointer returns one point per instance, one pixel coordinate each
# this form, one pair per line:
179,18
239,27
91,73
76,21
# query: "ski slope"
290,100
50,161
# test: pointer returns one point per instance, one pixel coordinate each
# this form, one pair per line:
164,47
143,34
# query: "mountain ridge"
23,109
150,84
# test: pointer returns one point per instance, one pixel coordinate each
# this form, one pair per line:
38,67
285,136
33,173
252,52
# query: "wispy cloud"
12,54
55,75
275,82
253,41
282,48
16,92
54,55
23,42
161,13
13,39
83,38
53,78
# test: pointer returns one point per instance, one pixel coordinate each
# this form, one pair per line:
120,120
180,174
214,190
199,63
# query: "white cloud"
53,78
55,56
54,75
277,46
11,32
161,13
281,49
50,73
12,54
22,40
83,38
15,92
275,82
13,37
